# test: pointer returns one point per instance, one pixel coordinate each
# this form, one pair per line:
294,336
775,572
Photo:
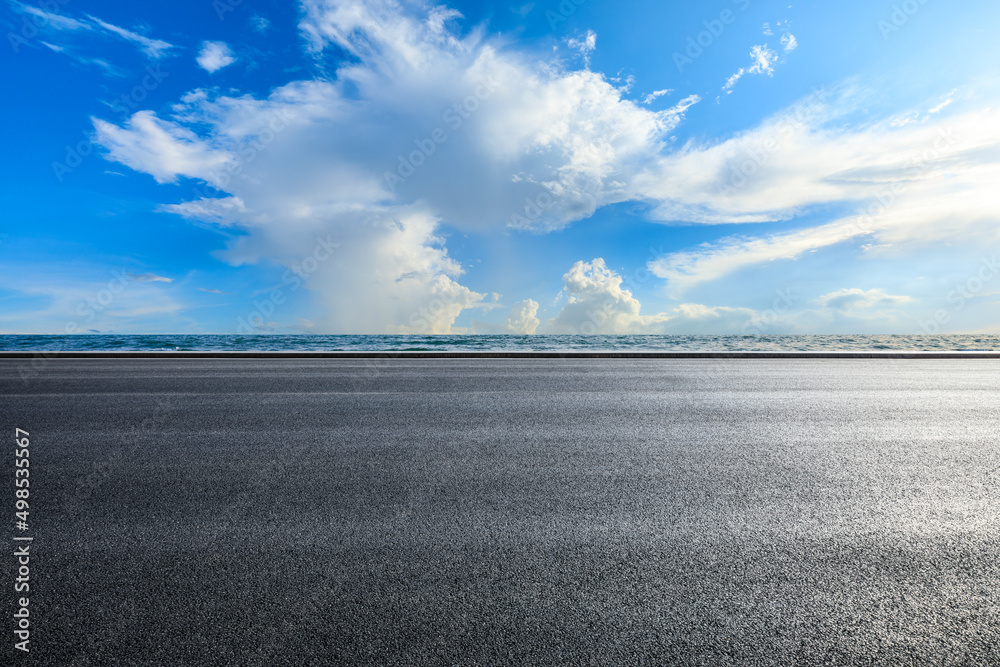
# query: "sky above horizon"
724,167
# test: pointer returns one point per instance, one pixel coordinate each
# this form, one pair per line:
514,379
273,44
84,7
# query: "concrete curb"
391,354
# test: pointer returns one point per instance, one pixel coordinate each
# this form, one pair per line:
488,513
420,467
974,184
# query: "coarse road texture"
542,511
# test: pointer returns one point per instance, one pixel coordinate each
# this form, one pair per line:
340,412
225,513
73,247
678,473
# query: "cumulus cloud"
788,42
597,303
424,126
213,56
521,319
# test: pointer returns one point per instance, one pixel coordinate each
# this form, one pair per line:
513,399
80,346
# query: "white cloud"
585,45
259,23
675,114
521,319
77,297
696,318
213,56
148,278
939,107
788,42
49,23
854,300
767,29
160,148
410,134
154,48
51,20
656,94
906,187
597,303
220,210
425,126
762,61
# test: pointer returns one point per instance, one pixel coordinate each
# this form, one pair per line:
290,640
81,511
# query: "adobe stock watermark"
565,9
293,279
38,21
88,309
605,311
759,156
223,7
963,292
454,117
534,209
864,223
899,17
714,28
219,179
782,303
76,153
101,471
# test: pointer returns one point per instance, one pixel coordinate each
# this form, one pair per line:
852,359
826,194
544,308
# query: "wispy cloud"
148,278
523,10
585,45
51,23
259,23
154,48
762,61
656,94
52,20
899,182
939,107
76,296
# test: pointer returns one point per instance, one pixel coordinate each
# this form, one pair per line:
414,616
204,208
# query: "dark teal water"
495,343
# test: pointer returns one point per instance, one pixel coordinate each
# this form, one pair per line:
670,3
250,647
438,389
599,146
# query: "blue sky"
585,167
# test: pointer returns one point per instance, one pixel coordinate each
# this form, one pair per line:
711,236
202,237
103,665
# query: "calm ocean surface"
496,343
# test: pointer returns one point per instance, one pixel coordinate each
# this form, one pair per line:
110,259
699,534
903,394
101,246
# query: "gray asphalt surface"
472,511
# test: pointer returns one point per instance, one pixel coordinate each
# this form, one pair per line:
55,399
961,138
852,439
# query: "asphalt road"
543,511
